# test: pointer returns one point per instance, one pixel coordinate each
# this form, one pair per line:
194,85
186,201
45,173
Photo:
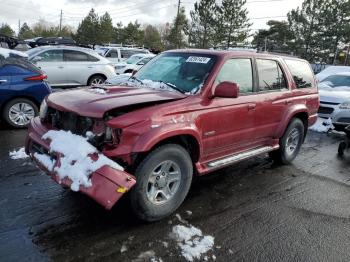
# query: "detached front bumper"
108,184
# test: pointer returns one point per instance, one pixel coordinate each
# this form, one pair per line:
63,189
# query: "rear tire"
163,180
290,143
18,112
96,80
342,148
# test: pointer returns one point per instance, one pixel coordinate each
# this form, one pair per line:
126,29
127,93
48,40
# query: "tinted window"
77,56
270,75
51,56
302,73
238,71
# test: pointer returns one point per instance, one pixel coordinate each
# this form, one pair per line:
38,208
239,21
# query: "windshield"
133,59
33,51
184,72
337,81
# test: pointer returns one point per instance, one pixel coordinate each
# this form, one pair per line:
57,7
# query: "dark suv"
185,113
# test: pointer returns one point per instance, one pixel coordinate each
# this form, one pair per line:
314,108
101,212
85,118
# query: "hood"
334,95
95,102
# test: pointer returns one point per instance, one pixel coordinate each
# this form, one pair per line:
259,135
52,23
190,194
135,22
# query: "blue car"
22,88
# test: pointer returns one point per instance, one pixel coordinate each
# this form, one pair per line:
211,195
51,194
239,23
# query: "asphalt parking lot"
256,211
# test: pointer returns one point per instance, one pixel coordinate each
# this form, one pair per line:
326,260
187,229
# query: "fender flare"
148,140
287,117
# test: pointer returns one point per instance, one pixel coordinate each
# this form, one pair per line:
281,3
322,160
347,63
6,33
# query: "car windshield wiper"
135,78
172,86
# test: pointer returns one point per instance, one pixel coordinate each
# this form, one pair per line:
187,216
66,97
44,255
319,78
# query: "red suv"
185,113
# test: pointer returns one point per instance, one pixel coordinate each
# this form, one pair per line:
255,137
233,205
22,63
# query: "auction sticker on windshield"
198,59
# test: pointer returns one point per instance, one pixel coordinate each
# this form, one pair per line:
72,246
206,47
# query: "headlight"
43,110
345,105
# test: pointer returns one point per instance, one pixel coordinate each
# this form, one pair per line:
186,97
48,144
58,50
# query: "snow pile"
322,125
75,161
19,154
98,90
191,241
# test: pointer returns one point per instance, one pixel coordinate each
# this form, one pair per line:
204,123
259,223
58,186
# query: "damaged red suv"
185,113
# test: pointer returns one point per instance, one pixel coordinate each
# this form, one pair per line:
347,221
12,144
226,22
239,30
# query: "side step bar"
241,156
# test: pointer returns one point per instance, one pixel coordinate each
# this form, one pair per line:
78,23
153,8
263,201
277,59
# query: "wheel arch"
300,113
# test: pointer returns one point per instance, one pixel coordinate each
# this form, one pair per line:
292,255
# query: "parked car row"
334,88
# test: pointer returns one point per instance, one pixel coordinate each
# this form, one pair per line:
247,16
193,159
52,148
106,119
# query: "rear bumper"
108,184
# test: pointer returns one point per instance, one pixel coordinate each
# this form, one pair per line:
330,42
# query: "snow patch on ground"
98,91
322,125
18,154
191,241
75,161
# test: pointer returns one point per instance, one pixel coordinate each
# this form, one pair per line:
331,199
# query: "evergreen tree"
119,33
277,38
132,34
106,28
6,30
204,24
233,23
306,26
89,29
25,32
152,38
178,31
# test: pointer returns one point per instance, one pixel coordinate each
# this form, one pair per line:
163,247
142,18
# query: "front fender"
149,139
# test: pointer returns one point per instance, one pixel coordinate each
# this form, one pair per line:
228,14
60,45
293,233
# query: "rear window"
301,72
77,56
21,63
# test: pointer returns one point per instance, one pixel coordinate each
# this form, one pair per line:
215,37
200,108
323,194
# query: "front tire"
290,143
18,112
163,180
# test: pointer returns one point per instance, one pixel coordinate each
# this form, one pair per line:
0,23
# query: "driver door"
229,123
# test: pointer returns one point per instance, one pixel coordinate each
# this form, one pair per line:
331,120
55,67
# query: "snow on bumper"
108,184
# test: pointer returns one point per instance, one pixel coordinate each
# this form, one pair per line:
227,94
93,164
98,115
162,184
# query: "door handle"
3,80
251,106
288,102
90,67
60,67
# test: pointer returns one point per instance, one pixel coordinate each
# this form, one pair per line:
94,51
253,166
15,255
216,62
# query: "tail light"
40,77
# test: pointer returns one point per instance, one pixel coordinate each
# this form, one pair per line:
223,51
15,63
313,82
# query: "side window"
270,75
75,56
238,70
51,56
301,72
126,53
113,53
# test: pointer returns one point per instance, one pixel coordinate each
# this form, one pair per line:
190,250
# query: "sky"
145,11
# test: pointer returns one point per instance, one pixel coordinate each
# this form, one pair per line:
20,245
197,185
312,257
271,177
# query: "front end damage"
108,184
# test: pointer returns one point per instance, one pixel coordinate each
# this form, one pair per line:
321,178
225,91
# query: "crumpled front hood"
94,102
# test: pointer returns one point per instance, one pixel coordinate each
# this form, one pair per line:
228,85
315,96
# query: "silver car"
71,66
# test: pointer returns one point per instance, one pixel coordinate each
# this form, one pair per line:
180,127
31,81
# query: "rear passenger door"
79,66
272,99
51,62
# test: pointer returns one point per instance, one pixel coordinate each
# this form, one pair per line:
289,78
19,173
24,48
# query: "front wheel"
290,143
163,181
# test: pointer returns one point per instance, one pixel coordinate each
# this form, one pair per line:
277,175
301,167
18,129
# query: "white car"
119,54
71,66
335,99
134,62
332,70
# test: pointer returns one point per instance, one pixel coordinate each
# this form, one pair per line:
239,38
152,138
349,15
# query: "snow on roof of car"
9,52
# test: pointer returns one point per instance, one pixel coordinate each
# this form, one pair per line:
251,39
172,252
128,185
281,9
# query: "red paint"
219,126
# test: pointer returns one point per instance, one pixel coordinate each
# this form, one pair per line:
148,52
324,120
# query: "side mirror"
227,89
141,63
